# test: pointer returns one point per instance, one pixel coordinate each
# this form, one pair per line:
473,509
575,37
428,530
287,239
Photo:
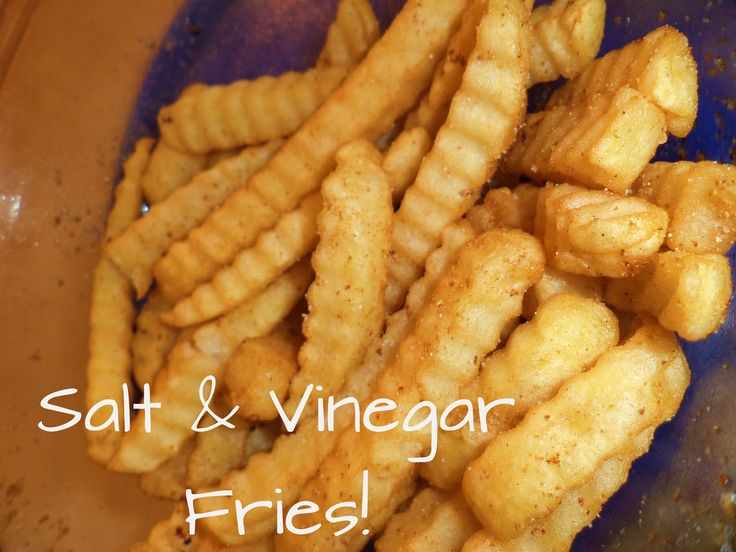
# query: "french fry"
168,170
152,339
492,97
354,30
204,354
137,249
246,112
435,520
112,312
554,282
601,141
215,453
403,157
598,233
660,66
700,199
566,36
566,337
689,293
460,324
260,365
579,507
169,480
293,237
267,471
217,156
506,208
384,86
350,264
561,443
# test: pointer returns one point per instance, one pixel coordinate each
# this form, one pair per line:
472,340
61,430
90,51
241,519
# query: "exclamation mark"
364,500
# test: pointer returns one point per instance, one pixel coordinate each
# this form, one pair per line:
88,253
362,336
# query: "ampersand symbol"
212,382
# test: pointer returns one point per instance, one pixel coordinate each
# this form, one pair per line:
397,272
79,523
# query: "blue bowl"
672,499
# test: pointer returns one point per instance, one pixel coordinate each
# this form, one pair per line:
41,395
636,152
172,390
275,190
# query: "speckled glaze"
59,141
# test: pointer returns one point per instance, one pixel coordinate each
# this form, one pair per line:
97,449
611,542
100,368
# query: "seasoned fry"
152,339
660,66
205,353
354,30
260,365
597,233
561,443
566,36
169,480
137,249
435,521
215,453
350,264
506,208
293,237
460,324
112,312
265,472
689,293
402,159
700,199
246,112
556,281
464,156
567,336
602,141
366,105
169,169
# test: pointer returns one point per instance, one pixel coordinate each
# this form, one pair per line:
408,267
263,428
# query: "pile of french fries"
330,228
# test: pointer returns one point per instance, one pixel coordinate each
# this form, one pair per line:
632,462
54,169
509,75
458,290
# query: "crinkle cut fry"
660,66
399,65
152,339
480,125
350,264
204,354
137,249
562,442
168,170
266,472
566,337
354,30
462,322
112,310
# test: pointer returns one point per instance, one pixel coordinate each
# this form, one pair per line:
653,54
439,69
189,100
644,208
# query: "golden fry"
700,199
204,354
293,237
169,480
168,170
246,112
260,365
554,282
435,520
346,306
152,339
689,293
660,66
480,125
216,453
142,244
366,105
112,311
266,472
402,159
566,36
460,324
602,141
506,208
597,233
567,335
352,33
561,443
